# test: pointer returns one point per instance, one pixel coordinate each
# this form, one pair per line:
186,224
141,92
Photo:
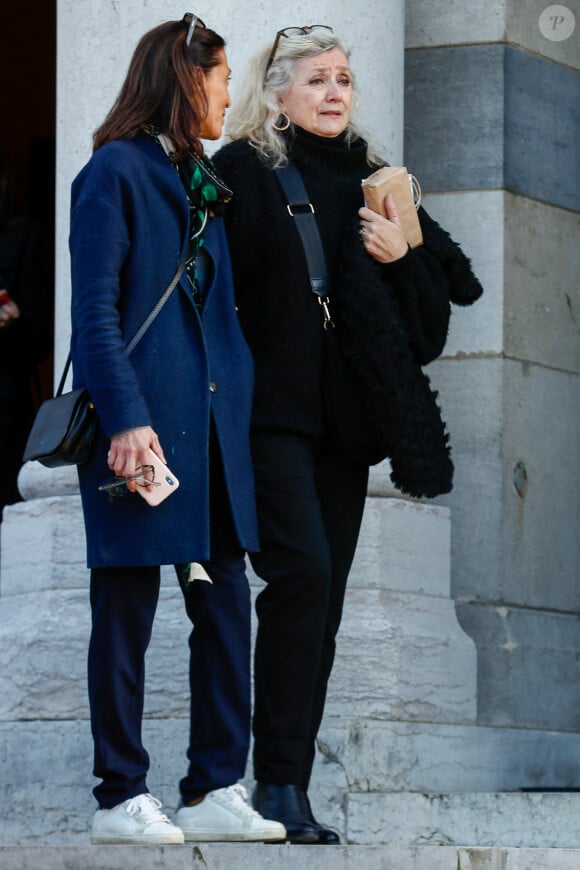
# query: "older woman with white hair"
310,483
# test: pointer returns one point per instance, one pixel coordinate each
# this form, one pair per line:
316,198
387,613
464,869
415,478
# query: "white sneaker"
136,821
224,814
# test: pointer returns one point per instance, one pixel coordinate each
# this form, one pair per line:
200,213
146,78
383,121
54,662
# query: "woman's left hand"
9,312
383,237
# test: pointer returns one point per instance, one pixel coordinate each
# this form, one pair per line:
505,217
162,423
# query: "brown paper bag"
394,180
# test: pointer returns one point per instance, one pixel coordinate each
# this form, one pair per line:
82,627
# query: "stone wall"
492,129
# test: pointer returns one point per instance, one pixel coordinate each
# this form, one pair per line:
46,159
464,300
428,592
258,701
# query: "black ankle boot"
285,803
326,836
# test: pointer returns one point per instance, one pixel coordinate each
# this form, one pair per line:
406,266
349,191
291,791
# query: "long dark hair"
165,86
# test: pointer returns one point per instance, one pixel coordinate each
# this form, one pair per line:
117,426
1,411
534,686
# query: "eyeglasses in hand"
116,487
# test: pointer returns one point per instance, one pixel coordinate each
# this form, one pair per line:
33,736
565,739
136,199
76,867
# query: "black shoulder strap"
301,209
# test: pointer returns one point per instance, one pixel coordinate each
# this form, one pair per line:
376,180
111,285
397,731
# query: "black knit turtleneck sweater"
280,316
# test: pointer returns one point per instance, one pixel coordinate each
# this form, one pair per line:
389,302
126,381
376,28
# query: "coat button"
212,387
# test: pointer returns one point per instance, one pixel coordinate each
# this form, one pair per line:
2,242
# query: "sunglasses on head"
193,21
292,31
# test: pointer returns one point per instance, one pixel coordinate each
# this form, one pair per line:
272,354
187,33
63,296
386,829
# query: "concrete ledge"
381,783
398,656
261,857
507,819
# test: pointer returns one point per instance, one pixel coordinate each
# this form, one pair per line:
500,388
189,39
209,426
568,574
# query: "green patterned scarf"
206,193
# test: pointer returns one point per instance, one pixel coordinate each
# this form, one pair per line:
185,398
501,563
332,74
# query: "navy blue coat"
129,226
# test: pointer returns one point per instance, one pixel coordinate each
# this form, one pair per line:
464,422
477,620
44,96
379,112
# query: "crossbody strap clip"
302,211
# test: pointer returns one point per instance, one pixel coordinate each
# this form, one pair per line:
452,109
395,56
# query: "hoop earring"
286,125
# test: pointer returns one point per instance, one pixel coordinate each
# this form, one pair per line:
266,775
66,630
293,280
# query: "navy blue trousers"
310,506
123,603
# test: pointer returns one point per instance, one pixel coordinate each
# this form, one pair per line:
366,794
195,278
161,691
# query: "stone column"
492,131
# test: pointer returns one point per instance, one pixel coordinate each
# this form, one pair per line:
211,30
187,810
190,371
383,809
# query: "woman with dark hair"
145,210
311,485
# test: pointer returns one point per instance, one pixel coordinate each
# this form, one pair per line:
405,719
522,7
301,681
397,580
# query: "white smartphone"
166,480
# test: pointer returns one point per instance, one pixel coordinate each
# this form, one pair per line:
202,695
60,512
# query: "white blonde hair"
256,108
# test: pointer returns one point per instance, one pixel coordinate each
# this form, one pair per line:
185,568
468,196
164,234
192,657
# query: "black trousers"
123,603
310,506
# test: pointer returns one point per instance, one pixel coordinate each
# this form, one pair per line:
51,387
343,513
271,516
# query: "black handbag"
64,428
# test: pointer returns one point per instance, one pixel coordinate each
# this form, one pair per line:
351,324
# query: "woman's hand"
383,237
129,451
8,312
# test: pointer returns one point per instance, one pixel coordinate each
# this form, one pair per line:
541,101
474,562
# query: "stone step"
368,778
399,656
542,820
385,755
264,857
401,652
404,545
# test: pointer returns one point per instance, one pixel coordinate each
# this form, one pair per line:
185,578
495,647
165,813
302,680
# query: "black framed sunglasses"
193,21
293,31
116,487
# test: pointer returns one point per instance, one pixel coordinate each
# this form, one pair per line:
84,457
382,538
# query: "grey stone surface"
398,654
541,530
259,857
476,220
37,481
522,26
225,857
46,765
405,546
404,628
454,117
527,257
542,291
519,551
43,647
527,662
43,546
504,548
58,782
518,859
402,656
382,756
543,821
356,757
542,129
489,116
471,397
446,22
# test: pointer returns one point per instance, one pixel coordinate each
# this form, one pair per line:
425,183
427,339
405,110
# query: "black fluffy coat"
390,319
